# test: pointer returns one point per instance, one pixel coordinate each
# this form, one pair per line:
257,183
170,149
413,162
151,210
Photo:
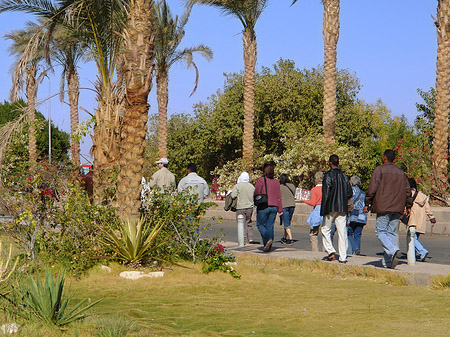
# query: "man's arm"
181,185
153,181
373,186
409,200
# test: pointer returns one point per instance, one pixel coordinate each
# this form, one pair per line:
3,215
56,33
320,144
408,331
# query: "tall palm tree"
67,51
138,62
20,40
440,145
170,33
248,12
330,32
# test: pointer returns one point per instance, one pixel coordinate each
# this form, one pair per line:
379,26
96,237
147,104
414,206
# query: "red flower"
401,140
30,179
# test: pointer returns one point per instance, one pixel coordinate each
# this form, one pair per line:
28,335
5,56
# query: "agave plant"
45,301
135,240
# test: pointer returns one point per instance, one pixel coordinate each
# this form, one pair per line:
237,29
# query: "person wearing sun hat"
163,178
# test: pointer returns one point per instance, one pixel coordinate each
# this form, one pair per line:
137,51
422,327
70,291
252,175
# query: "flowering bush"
303,158
221,261
52,216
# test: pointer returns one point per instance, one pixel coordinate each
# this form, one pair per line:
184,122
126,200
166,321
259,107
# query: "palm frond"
37,7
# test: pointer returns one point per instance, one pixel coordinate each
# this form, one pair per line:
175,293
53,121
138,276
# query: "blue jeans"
385,228
420,250
265,219
287,216
354,231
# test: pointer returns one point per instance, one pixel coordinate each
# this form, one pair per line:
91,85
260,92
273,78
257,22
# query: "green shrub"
45,301
134,241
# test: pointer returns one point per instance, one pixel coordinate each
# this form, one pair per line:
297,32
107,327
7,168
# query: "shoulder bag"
261,201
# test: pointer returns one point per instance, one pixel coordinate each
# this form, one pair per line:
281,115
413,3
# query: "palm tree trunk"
106,138
139,56
73,84
162,93
250,55
31,101
330,39
440,146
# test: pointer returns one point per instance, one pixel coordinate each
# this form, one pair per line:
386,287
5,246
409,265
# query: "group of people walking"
339,205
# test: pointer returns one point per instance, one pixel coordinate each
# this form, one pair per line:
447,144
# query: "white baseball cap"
163,161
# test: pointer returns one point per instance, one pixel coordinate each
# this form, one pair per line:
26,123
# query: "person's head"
355,181
388,156
284,179
191,168
244,178
163,162
412,183
333,161
318,177
268,170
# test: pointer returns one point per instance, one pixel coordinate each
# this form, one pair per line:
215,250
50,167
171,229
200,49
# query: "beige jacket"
418,210
164,179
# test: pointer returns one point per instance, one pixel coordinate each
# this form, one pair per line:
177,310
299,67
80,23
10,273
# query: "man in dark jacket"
388,195
336,191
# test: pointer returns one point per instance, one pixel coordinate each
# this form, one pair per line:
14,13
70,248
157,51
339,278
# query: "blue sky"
389,44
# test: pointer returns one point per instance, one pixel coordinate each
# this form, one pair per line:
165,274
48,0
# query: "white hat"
163,161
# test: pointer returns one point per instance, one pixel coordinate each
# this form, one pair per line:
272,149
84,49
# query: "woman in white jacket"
417,219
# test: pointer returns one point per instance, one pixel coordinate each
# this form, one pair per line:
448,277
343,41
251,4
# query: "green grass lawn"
273,298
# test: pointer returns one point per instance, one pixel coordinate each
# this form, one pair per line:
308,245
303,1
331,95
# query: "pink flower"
30,179
401,140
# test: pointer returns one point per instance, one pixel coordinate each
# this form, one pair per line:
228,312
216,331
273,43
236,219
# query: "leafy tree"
248,13
288,107
60,139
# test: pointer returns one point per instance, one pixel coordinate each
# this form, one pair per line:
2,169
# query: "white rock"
10,328
231,263
105,268
136,275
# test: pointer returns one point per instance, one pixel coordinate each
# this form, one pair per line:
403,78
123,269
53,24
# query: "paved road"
437,245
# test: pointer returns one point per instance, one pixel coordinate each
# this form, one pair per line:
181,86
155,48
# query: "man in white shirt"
198,184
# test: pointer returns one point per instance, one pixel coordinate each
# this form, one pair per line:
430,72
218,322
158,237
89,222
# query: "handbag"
230,203
261,201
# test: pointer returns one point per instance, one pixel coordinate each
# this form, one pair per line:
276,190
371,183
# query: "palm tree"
170,33
248,12
138,63
440,145
330,32
67,51
20,40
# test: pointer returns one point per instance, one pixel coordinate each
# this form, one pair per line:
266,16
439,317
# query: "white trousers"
340,220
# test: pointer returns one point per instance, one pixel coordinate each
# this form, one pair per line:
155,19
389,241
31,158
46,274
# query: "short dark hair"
390,155
192,167
268,170
412,183
284,179
334,160
166,165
